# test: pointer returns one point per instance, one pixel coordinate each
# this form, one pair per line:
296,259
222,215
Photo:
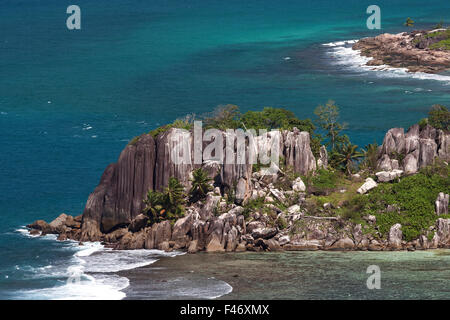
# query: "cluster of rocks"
406,50
410,151
221,224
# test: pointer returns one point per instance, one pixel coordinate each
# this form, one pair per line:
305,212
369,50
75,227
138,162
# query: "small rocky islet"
418,51
397,199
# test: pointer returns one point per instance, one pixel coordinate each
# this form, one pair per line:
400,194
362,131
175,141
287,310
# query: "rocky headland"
248,210
417,51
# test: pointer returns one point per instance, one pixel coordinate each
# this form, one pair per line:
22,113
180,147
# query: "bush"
439,117
275,118
166,205
186,123
323,182
414,196
200,185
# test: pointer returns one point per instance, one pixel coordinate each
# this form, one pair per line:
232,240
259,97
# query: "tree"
370,153
440,25
439,117
200,185
223,117
166,205
327,118
409,22
346,155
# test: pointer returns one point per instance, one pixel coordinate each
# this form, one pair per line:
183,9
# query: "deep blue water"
70,100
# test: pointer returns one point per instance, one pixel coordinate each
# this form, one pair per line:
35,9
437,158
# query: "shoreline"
283,275
416,51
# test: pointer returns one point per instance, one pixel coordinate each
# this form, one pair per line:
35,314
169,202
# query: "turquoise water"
70,100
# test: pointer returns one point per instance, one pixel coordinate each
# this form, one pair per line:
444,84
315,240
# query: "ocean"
70,100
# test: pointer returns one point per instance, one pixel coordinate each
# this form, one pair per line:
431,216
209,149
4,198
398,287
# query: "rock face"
147,164
297,151
118,197
216,224
442,204
405,50
413,150
368,185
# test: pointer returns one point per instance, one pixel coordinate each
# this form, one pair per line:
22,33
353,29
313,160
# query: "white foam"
342,54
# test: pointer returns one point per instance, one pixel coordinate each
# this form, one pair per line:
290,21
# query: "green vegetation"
186,123
322,182
166,205
443,44
412,198
409,22
327,118
201,185
370,157
438,117
345,156
440,25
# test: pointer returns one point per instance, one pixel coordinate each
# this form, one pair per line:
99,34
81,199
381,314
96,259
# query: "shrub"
186,123
414,196
200,185
439,117
323,182
166,205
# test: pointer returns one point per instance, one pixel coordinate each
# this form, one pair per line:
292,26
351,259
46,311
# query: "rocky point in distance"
247,210
417,51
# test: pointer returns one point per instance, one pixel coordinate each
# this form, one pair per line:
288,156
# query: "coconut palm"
346,155
166,205
200,185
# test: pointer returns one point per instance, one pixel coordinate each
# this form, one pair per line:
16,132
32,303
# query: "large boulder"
138,223
264,233
298,185
40,225
368,185
59,224
395,236
157,234
441,237
342,244
386,176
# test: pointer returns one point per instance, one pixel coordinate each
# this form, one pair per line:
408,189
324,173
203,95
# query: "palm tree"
370,153
409,22
166,205
174,197
346,155
200,185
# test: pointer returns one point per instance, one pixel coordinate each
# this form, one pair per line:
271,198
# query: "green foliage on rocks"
439,117
409,202
186,123
165,205
200,185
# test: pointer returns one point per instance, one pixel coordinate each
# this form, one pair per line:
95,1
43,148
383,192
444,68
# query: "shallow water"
301,275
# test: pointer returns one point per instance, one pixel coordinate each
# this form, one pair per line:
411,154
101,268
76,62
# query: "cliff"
272,212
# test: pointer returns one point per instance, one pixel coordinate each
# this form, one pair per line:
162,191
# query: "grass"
443,44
